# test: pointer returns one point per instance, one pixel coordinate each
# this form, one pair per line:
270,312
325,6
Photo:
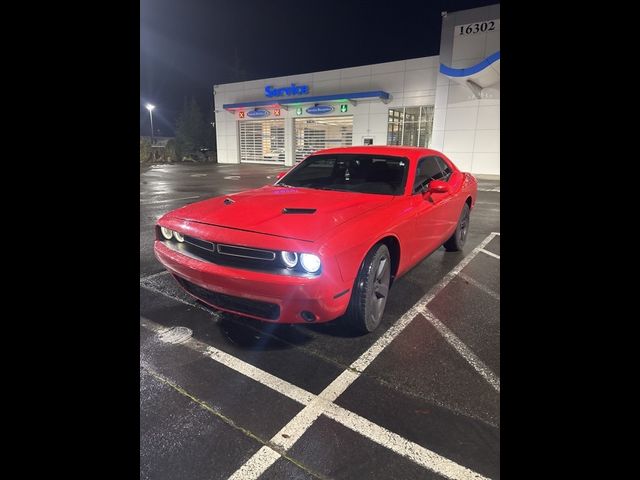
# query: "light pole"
150,108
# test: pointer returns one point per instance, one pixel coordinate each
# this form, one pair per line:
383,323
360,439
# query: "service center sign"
294,89
320,109
258,113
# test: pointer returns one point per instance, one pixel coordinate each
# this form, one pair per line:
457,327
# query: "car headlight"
178,236
310,262
290,259
166,233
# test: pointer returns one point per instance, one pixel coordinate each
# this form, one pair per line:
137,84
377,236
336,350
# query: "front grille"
269,311
236,256
199,243
244,252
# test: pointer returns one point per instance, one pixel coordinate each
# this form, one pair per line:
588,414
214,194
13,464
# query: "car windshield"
362,173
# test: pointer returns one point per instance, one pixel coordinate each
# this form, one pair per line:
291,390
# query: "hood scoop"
303,211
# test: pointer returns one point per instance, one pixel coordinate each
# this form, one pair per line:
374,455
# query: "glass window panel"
410,126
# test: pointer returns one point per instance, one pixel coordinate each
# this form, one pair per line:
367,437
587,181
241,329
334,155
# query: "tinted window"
446,170
427,170
363,173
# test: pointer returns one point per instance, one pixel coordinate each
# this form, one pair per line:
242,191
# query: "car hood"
263,210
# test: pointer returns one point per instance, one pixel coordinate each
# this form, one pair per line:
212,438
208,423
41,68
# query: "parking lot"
224,396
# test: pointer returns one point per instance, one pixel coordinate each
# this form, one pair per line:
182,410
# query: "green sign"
299,111
343,108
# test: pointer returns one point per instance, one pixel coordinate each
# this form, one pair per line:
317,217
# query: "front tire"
370,291
457,240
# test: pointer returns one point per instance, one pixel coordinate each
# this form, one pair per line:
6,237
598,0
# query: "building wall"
410,83
465,128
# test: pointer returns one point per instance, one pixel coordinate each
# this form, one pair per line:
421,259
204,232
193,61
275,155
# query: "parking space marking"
466,353
400,445
305,418
367,357
491,254
265,378
153,275
261,460
154,289
316,405
479,285
281,386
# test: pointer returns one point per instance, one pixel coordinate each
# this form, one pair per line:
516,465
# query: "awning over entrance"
352,97
477,77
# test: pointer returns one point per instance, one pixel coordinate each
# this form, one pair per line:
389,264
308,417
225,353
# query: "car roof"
410,152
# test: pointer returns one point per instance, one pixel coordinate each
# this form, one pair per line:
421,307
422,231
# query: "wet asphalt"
201,419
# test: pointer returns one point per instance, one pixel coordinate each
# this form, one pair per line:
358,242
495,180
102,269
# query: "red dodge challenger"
326,240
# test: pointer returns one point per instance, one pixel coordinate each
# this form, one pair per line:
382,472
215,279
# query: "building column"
289,142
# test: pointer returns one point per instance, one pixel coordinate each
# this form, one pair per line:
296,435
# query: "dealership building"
449,102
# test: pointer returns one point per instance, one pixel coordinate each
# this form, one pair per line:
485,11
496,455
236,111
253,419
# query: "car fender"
351,241
350,260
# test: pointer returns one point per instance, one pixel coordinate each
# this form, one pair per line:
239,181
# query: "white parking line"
479,285
305,418
253,468
463,350
491,254
265,378
367,357
155,289
153,275
397,444
315,405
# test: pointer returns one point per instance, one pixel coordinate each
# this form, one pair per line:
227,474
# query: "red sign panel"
240,114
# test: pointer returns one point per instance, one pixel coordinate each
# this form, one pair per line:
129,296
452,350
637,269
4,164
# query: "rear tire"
370,291
457,240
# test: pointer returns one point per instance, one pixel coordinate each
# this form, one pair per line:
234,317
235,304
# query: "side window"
427,170
446,170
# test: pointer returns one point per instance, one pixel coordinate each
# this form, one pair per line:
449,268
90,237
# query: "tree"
192,131
145,149
170,152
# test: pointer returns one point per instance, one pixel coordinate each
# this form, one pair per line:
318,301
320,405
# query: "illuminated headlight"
178,236
310,262
166,233
290,259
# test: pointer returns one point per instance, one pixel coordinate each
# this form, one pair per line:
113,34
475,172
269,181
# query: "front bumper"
292,294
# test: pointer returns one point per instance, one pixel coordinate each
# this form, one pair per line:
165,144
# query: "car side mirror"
438,186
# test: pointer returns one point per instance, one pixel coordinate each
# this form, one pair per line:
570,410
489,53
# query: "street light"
150,108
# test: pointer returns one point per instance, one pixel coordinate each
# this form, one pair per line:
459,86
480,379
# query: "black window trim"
444,162
414,191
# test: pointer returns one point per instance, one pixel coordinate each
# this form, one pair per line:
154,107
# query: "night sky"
187,46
